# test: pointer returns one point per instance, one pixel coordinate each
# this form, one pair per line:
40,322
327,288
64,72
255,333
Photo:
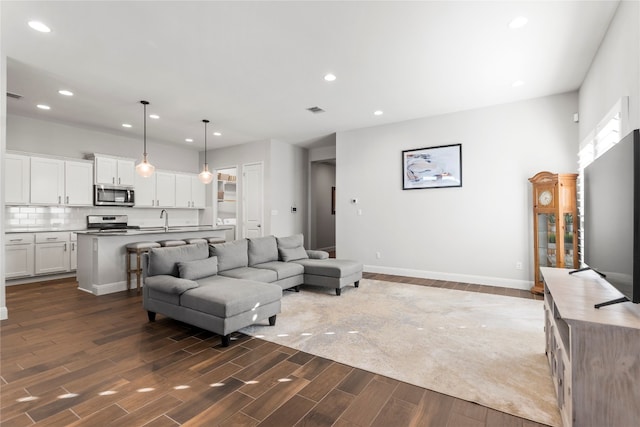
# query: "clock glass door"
569,237
546,239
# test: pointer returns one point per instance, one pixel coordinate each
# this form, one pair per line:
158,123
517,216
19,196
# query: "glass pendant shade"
144,168
205,176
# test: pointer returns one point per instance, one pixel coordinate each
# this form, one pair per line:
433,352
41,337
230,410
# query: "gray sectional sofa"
227,286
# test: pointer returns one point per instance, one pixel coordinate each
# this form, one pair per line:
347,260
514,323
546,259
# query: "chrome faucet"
166,219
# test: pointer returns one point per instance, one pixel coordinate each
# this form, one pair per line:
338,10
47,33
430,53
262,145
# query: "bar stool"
137,248
170,243
213,240
195,240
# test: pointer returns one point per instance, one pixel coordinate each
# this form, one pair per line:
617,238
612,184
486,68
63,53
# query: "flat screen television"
612,217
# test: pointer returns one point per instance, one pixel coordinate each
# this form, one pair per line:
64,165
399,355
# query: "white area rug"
483,348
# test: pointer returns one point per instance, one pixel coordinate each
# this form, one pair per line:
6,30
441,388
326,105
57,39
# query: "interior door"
252,200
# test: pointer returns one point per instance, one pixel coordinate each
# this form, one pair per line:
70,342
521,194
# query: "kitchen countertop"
142,230
155,230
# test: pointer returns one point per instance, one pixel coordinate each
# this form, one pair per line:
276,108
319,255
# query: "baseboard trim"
452,277
4,313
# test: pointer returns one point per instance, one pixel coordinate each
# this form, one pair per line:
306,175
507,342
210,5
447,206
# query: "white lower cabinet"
19,252
52,253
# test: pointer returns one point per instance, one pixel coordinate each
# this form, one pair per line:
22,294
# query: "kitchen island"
102,267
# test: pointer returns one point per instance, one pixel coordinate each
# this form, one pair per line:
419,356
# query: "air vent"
13,95
315,110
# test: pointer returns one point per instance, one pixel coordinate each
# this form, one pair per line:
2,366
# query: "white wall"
289,165
614,72
52,138
323,223
476,233
3,127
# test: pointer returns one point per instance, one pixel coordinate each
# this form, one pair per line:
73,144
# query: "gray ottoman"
331,273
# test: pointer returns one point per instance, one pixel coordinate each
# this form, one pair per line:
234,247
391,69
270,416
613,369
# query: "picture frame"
432,167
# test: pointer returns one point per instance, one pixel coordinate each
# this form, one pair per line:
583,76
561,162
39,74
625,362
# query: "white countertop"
142,230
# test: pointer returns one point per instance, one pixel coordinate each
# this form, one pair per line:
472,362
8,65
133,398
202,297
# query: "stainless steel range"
107,223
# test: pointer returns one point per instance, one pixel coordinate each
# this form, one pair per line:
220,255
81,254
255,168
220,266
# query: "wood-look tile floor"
71,358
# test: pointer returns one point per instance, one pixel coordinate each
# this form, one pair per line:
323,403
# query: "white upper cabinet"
190,192
114,171
78,183
165,189
47,181
158,190
59,182
16,179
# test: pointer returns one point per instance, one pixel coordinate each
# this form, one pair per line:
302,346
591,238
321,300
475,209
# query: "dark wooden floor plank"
71,358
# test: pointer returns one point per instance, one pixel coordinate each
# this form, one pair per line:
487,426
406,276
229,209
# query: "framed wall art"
432,167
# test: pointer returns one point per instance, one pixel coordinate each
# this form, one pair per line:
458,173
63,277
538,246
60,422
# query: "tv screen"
611,216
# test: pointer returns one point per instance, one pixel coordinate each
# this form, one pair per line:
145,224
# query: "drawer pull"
52,238
15,240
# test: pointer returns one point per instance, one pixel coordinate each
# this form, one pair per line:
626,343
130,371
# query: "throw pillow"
290,242
292,254
194,270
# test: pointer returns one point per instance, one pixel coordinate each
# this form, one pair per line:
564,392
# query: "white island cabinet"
102,256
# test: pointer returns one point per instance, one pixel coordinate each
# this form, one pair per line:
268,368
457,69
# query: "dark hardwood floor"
71,358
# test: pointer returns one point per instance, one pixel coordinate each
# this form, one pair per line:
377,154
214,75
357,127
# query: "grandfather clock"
555,223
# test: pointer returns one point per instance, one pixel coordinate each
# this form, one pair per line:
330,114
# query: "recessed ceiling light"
378,113
217,134
517,83
518,22
188,139
126,125
65,92
154,116
330,77
43,107
39,26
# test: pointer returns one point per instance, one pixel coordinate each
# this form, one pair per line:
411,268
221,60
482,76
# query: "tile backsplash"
44,218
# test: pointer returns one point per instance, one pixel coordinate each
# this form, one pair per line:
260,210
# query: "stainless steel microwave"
107,195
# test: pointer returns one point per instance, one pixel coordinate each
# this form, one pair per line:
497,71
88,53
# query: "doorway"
252,200
226,212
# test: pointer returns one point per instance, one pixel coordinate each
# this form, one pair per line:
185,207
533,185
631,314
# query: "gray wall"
614,72
476,233
51,138
323,230
289,165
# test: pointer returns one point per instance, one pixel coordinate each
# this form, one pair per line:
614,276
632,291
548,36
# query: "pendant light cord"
205,121
144,121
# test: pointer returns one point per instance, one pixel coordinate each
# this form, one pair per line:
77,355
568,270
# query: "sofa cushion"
231,254
330,267
250,273
262,249
225,297
164,260
284,270
318,254
292,254
290,242
194,270
169,284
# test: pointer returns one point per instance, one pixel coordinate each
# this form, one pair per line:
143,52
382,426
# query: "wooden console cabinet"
594,354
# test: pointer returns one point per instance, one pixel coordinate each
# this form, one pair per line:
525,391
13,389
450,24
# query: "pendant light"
144,168
205,176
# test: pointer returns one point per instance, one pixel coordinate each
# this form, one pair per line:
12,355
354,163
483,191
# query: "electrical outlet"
519,265
378,255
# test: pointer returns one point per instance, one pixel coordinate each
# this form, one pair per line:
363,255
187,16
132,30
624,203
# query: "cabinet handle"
73,246
67,200
65,247
119,180
113,179
52,238
59,199
15,240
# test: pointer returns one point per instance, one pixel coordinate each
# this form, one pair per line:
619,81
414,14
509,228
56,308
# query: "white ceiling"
253,68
